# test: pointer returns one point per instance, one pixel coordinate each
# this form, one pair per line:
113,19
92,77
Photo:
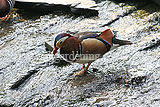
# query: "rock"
22,48
78,7
48,47
157,1
154,43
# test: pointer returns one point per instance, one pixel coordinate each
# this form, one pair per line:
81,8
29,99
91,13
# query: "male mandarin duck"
5,7
86,47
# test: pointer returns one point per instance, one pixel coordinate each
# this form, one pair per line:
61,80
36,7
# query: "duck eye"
60,42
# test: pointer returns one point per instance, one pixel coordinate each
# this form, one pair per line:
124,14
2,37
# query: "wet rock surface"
127,76
76,7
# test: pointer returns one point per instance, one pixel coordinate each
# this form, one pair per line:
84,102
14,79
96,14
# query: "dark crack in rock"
153,44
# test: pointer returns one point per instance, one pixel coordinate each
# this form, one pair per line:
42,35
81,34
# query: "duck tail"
121,42
117,43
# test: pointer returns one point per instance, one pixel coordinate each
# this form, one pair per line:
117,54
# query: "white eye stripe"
10,4
62,40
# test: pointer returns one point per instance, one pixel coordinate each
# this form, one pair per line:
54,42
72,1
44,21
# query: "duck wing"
84,35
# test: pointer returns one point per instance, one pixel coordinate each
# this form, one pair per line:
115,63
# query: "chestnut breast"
70,48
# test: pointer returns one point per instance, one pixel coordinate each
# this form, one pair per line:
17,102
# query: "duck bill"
55,50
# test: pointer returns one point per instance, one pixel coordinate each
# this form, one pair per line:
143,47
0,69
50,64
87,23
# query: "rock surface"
78,7
157,2
127,76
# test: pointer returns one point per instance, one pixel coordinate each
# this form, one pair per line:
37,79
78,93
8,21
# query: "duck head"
59,40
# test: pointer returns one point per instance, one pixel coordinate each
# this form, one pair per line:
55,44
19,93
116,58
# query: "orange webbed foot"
81,73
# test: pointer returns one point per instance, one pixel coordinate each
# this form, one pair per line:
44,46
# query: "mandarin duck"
86,47
5,7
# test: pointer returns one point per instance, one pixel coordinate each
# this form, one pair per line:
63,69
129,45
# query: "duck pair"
86,47
5,7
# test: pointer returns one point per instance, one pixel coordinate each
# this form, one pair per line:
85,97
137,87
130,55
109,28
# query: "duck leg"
83,71
5,18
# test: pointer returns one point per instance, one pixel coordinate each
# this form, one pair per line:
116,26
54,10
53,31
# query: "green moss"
141,14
